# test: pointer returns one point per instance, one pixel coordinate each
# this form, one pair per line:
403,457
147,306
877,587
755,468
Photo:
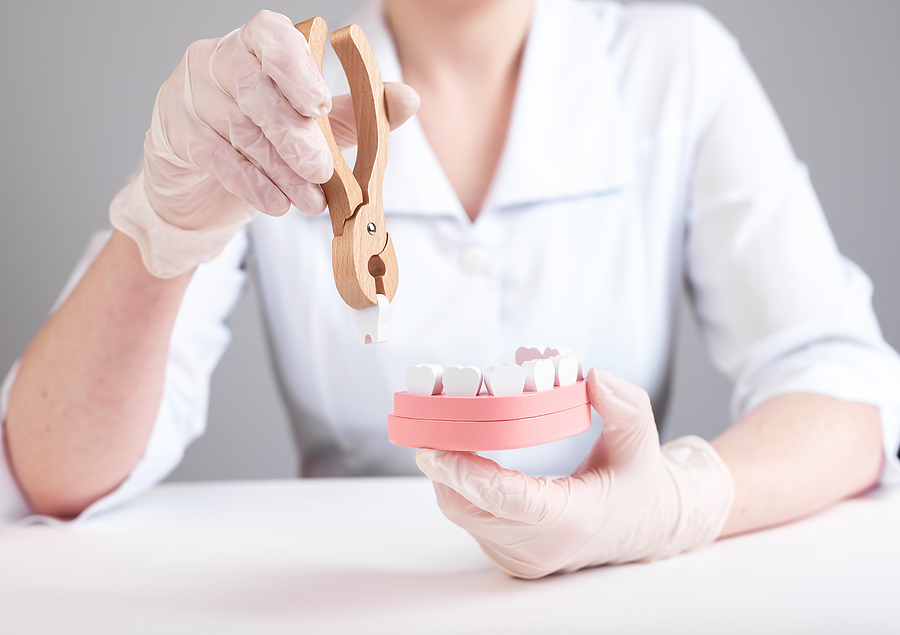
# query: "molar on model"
462,381
505,380
566,369
529,353
540,375
425,379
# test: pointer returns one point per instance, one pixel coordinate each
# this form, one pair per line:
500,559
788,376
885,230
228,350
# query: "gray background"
78,84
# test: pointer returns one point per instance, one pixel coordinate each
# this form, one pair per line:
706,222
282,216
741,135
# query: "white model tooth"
505,380
553,351
566,369
372,321
528,353
539,375
424,379
462,381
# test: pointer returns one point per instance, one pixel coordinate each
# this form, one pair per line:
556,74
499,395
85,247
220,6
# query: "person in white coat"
571,165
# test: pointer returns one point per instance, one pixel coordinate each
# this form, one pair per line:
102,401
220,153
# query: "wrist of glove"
629,500
166,249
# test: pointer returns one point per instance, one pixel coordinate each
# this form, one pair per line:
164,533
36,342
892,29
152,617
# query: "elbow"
47,493
50,488
54,506
53,496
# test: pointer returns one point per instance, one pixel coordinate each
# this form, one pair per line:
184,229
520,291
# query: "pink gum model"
485,422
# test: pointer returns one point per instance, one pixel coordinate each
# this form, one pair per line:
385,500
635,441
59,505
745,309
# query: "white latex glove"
629,500
232,134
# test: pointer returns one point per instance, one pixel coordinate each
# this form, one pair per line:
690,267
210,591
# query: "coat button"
475,259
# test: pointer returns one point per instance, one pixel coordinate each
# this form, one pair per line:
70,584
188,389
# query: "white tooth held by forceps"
372,321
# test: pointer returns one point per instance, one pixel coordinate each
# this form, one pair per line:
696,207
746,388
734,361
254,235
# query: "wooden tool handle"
342,191
363,257
373,130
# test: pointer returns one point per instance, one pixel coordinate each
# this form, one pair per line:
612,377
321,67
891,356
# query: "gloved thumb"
629,428
401,100
500,492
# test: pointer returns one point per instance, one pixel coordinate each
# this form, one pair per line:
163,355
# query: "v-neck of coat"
567,133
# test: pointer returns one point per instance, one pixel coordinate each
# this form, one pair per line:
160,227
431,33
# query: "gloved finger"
241,76
250,141
503,541
214,155
481,524
629,429
463,512
496,490
283,54
310,198
401,100
514,547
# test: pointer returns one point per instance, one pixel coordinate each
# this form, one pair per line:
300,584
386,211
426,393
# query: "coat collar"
567,135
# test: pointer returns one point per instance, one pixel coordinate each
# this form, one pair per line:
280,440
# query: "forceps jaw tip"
363,258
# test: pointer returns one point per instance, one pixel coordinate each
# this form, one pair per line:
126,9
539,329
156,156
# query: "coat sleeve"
199,338
781,310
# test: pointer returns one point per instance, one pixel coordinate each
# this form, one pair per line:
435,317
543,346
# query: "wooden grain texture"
372,126
364,261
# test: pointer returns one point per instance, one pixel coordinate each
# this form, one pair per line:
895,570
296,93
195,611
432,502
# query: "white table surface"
377,556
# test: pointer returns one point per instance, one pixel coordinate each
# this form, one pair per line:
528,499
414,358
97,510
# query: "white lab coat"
642,155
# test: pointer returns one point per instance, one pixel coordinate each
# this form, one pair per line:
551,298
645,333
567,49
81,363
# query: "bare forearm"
89,386
797,454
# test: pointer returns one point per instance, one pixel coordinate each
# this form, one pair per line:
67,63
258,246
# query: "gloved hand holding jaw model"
233,133
629,500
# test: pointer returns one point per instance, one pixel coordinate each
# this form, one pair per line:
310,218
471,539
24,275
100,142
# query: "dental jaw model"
363,259
541,399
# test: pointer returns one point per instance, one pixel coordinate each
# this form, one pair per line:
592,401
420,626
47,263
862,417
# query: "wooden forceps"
362,256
